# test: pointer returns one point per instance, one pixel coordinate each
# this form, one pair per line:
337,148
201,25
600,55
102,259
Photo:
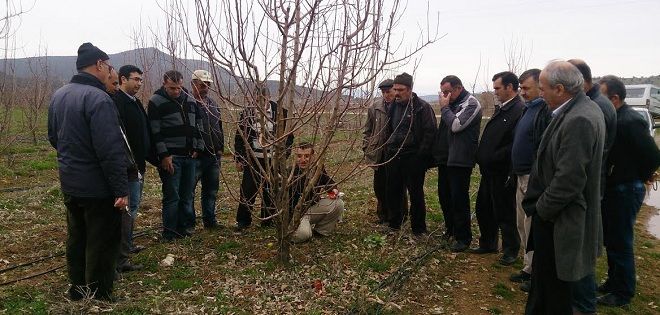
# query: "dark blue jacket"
83,126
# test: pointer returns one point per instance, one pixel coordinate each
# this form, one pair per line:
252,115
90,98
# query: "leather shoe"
612,300
458,247
129,267
481,250
136,249
604,288
520,277
507,260
526,285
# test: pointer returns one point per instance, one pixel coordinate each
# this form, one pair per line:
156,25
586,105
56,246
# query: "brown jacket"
375,133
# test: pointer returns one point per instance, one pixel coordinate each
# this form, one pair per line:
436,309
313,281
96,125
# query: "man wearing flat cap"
83,126
208,168
373,144
411,129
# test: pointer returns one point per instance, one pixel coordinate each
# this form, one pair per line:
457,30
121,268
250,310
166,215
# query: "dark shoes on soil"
458,247
612,300
520,277
526,285
507,260
481,251
129,267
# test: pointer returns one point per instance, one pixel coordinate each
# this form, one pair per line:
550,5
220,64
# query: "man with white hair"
563,195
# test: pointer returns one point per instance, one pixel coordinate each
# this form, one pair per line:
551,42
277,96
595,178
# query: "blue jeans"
621,204
134,198
208,171
178,215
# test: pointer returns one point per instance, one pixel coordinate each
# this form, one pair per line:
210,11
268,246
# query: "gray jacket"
461,122
564,185
375,133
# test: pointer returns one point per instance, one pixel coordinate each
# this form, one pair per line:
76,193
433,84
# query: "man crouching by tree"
321,213
83,126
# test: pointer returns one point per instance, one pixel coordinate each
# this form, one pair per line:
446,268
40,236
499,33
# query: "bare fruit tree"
37,91
9,21
319,59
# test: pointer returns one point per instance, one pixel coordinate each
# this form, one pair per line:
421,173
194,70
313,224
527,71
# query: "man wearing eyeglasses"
208,168
83,127
134,118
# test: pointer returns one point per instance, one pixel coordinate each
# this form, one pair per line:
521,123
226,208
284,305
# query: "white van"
646,95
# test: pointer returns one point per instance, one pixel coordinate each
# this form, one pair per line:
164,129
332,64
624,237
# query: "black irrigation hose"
33,276
31,262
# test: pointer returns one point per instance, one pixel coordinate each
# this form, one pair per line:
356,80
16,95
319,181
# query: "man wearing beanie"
83,127
411,129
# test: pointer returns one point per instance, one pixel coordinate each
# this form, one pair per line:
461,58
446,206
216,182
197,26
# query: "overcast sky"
620,37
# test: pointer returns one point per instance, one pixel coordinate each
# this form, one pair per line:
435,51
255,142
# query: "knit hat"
88,54
386,84
404,79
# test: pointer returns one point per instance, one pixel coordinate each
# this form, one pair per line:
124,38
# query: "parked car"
647,116
646,95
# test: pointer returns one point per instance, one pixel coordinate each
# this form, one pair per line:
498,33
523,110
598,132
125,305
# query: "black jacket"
413,131
249,125
136,124
494,152
610,117
211,128
634,155
300,180
83,126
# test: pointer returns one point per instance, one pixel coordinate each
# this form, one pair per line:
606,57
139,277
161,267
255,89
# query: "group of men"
563,164
104,138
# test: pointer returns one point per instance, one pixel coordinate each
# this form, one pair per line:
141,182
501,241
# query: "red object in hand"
333,194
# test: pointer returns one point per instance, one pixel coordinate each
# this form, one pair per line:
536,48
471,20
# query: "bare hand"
333,193
239,166
444,99
194,155
166,164
121,202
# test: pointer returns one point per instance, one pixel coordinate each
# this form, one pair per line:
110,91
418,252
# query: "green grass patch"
226,247
23,301
374,240
377,265
502,290
41,165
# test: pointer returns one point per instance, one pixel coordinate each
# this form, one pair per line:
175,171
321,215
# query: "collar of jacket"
510,104
535,102
181,99
594,91
382,106
460,99
88,79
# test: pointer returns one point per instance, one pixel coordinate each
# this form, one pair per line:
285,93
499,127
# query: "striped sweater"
174,124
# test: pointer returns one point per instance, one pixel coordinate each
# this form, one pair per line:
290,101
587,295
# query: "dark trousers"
621,204
208,172
380,190
459,202
251,183
406,173
92,247
496,211
444,196
548,294
583,294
